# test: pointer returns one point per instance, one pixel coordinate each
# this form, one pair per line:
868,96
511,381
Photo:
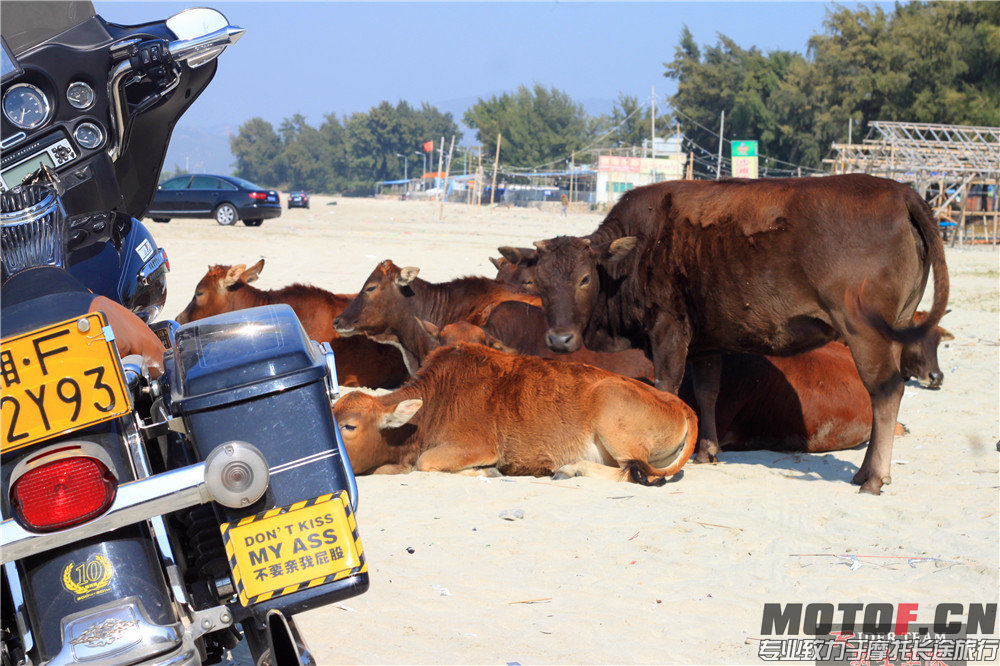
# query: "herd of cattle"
775,313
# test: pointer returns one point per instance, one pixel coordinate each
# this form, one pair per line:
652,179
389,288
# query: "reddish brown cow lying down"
360,362
813,402
473,409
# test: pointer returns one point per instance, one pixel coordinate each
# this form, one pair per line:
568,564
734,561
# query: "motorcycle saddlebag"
254,376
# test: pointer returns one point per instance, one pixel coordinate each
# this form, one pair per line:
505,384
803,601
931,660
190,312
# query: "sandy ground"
598,572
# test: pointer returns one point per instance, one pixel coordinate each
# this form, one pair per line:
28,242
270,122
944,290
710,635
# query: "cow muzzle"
562,340
934,380
342,327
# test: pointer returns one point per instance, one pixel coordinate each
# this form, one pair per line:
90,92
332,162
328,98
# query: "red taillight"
258,195
63,493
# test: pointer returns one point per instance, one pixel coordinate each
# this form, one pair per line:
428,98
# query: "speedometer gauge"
26,106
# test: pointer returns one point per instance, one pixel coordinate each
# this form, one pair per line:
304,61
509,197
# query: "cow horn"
541,245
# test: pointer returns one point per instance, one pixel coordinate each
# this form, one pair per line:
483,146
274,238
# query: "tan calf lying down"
473,410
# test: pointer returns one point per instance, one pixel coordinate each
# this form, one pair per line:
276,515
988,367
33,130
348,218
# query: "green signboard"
744,149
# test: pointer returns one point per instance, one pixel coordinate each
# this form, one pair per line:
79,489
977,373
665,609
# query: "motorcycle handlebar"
193,52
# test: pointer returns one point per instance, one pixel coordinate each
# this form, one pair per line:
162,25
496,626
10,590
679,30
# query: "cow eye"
348,427
528,282
370,289
585,280
199,294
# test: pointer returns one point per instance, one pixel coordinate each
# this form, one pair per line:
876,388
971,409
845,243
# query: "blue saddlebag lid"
241,355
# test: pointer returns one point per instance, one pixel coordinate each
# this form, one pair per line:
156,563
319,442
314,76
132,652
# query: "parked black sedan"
224,198
298,199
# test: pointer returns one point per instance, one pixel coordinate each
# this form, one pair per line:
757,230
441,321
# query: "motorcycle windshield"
28,24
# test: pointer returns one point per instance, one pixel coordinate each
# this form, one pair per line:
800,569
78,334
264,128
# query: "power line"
762,156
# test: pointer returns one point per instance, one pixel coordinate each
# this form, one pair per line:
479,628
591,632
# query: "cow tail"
641,472
922,218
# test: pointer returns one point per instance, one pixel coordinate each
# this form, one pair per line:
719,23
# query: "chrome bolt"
83,325
225,617
206,623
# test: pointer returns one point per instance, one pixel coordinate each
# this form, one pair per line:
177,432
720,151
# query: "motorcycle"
166,491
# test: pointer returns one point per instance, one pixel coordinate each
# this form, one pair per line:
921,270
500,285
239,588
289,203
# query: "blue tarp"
392,182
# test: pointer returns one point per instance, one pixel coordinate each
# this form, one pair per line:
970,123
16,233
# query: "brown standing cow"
479,409
688,269
360,362
392,297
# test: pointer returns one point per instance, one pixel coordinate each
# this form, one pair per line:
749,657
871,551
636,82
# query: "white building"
620,173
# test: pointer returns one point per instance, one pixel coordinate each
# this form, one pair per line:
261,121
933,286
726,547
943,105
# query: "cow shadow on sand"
770,411
800,466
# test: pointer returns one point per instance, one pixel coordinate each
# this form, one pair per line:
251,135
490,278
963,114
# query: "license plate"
293,548
58,379
272,198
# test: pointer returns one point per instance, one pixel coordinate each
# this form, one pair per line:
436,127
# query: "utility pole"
447,171
722,129
496,161
652,120
850,128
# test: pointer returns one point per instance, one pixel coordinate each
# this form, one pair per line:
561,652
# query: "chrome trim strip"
299,462
136,501
12,140
20,611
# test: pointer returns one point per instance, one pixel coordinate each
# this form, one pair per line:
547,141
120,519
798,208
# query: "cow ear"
252,273
497,263
404,411
946,334
433,330
233,275
407,275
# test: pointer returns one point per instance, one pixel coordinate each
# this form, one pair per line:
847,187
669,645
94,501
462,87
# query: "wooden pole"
479,179
690,165
996,212
496,162
572,177
722,128
447,172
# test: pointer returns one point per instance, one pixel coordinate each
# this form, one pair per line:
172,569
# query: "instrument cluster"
27,107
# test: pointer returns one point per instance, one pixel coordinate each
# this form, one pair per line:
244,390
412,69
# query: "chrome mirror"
202,35
196,22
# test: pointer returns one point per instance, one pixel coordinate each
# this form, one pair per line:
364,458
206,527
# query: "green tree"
257,149
936,62
178,171
745,83
629,123
539,125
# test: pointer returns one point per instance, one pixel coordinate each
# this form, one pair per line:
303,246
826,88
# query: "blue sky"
319,57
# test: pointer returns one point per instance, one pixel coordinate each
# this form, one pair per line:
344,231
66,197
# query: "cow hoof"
860,477
705,457
559,476
871,487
